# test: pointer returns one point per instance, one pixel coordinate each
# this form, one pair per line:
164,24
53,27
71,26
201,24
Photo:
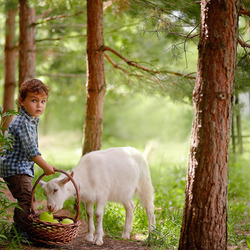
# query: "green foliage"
143,31
153,53
182,12
5,139
11,4
6,207
242,73
5,204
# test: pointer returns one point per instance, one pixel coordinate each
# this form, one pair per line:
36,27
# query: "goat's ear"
67,179
42,183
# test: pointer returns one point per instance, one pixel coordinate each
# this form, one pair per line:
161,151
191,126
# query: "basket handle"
73,181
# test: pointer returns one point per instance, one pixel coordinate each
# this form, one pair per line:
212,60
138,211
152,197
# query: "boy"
17,165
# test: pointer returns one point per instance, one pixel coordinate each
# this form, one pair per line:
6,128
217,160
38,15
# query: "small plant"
5,139
5,203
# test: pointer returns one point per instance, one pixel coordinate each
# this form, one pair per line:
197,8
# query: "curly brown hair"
34,86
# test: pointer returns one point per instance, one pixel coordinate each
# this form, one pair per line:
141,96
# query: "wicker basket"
54,233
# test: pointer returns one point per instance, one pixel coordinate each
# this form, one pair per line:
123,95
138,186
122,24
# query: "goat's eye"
55,190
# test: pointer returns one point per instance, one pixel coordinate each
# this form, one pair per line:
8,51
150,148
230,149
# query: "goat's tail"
145,192
150,147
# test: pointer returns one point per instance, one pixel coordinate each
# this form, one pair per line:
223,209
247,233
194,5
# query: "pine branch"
57,17
46,13
67,25
59,38
115,65
141,67
244,11
243,44
127,72
107,4
131,63
63,75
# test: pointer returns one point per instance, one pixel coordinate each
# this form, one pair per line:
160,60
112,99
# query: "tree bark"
95,77
27,47
205,215
9,65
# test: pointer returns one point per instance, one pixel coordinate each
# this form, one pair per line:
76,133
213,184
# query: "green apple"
46,216
55,221
67,221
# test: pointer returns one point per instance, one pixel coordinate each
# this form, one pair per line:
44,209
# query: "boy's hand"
48,169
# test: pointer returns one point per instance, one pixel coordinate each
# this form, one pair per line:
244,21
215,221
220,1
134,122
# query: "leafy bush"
5,139
5,203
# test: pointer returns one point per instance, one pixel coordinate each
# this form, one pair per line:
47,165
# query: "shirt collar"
24,113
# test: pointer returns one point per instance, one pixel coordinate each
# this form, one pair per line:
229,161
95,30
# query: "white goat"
114,174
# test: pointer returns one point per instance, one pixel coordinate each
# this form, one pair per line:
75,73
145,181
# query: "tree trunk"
204,223
10,65
95,77
27,45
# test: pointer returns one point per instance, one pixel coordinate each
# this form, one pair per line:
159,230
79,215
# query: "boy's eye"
43,101
33,100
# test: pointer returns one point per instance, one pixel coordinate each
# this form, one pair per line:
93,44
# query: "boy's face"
34,103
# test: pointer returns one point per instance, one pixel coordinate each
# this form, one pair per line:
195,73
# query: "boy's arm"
48,169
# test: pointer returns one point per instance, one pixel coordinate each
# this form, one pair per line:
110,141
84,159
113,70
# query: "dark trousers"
21,188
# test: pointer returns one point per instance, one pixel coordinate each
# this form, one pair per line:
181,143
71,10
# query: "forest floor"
79,242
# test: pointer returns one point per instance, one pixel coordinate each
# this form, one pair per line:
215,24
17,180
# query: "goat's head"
57,192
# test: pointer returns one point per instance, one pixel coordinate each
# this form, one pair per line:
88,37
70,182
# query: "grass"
168,173
239,201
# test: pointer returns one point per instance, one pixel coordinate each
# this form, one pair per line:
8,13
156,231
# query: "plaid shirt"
23,129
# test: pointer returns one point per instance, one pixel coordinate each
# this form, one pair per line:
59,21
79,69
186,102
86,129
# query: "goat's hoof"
98,241
125,236
90,237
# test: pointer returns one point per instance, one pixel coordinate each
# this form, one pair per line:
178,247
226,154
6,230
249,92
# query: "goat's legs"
151,217
129,206
145,193
91,226
99,217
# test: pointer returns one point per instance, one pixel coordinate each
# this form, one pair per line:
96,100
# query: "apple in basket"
46,216
66,221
